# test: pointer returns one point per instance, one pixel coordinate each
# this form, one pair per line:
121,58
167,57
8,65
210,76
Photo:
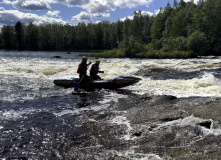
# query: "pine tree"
19,35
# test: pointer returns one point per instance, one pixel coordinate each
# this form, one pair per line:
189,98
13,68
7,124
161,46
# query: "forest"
180,30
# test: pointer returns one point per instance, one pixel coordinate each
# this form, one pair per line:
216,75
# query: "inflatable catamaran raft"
118,82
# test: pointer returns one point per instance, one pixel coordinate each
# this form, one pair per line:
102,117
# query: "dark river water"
39,120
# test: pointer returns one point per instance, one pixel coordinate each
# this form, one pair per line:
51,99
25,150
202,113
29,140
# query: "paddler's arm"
89,63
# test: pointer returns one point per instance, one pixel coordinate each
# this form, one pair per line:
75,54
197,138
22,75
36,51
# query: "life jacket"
82,69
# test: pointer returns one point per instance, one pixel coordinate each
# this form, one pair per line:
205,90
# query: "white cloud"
72,3
2,9
103,6
101,15
6,2
90,5
83,16
12,16
98,22
195,1
100,6
131,3
91,8
146,13
125,18
31,4
132,17
53,13
107,5
157,12
95,8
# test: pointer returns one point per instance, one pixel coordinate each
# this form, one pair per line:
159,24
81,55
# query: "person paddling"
82,70
95,70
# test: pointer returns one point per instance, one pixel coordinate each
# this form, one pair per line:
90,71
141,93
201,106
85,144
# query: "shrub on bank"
115,53
149,53
170,48
162,54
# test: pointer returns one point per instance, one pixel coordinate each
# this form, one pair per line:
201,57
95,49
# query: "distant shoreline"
113,54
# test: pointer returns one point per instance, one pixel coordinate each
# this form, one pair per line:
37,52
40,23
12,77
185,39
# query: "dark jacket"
94,71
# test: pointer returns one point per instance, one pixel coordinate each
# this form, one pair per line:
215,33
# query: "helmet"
97,61
84,59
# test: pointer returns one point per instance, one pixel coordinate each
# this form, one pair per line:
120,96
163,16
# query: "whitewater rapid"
39,120
34,73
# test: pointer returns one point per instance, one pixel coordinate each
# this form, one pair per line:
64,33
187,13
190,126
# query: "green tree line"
178,31
54,37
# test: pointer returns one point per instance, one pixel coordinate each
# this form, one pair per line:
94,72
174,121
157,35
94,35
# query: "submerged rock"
165,74
206,124
56,57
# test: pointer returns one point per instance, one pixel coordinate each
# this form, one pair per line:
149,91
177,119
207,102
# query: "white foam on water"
120,120
14,115
187,121
193,121
36,68
112,67
205,86
102,104
97,108
23,97
118,67
75,111
92,120
40,73
67,112
78,111
111,97
131,154
150,157
212,131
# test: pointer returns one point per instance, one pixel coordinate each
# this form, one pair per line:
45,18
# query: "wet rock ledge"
175,128
154,127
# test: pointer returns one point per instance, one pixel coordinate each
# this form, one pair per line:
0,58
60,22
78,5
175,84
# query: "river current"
39,120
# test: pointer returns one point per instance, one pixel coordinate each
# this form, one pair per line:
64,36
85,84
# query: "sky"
71,12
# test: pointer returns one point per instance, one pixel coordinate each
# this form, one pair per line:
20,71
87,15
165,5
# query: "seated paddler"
82,70
95,70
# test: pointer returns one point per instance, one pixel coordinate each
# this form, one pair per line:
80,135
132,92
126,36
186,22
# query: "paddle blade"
77,87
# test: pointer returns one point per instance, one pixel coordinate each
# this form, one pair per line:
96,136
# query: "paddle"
78,84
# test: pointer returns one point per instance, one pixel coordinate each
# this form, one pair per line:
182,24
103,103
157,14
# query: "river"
153,119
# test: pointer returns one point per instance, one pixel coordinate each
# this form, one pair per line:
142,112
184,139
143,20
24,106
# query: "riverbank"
144,53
